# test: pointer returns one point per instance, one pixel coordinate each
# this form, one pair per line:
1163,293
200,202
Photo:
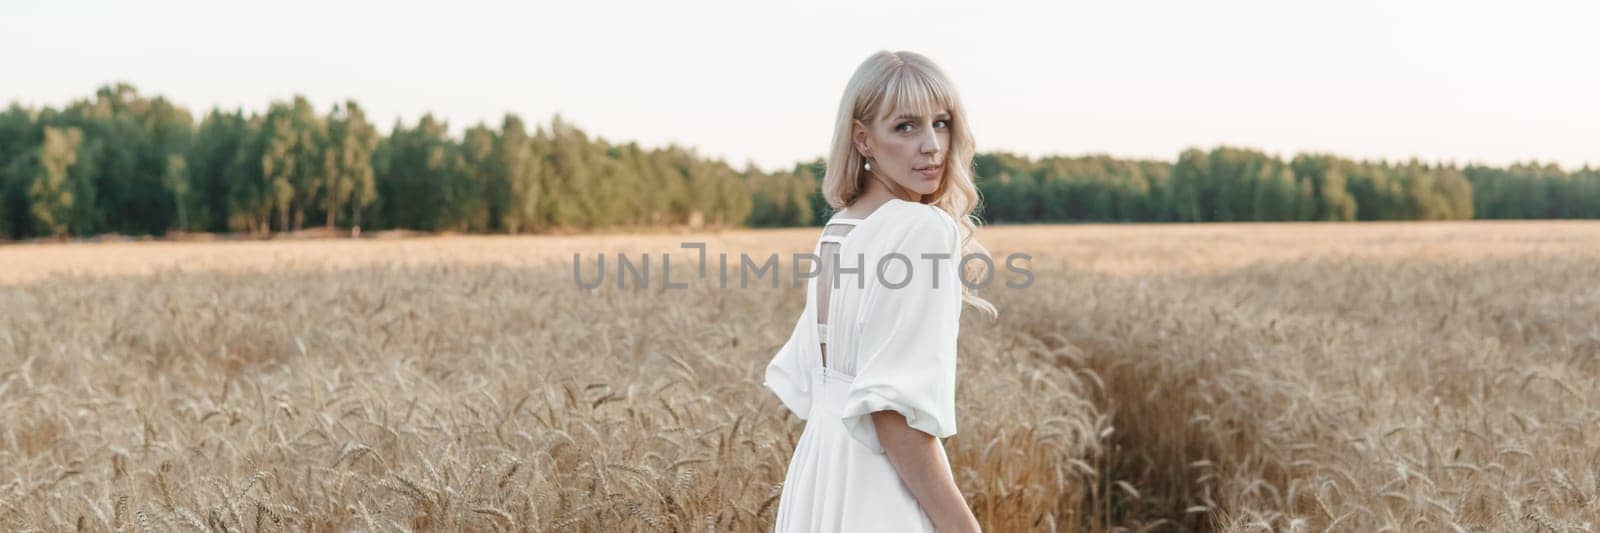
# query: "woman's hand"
916,457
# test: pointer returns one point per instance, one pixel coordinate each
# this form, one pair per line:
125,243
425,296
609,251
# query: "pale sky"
1486,82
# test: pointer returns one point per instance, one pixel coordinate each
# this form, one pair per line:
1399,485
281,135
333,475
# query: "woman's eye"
906,126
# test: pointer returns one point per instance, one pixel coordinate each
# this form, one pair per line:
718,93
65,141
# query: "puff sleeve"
906,348
785,375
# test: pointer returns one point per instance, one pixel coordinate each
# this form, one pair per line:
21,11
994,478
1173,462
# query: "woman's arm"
915,456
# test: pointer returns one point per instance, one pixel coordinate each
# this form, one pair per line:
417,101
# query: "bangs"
914,91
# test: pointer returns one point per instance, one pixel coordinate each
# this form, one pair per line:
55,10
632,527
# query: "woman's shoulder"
918,217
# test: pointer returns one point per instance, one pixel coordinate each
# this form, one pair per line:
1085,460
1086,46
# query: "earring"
869,165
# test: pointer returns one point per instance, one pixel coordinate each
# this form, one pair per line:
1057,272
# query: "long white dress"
891,345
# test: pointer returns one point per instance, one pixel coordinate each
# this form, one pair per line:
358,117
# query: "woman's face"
908,149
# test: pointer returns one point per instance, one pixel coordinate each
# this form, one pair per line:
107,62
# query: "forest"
126,163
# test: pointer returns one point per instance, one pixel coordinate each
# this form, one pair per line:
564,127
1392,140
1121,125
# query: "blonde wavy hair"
909,81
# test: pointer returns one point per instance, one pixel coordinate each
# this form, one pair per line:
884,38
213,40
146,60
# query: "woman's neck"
878,191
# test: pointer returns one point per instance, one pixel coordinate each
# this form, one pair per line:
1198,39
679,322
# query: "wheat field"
1234,377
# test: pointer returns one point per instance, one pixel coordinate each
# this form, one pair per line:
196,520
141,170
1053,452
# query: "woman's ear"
858,135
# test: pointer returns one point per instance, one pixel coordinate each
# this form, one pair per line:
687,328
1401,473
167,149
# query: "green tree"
517,173
347,164
50,195
250,198
1190,186
211,160
418,180
569,178
292,161
474,179
779,199
1325,174
176,181
277,160
18,141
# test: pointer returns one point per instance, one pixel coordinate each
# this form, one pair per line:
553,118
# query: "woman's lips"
931,172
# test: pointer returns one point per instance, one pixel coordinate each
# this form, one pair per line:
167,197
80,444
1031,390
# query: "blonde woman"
871,363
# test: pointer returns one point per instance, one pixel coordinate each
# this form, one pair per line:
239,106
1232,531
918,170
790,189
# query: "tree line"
1226,184
122,162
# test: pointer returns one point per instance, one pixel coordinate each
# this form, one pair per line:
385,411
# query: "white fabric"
893,349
